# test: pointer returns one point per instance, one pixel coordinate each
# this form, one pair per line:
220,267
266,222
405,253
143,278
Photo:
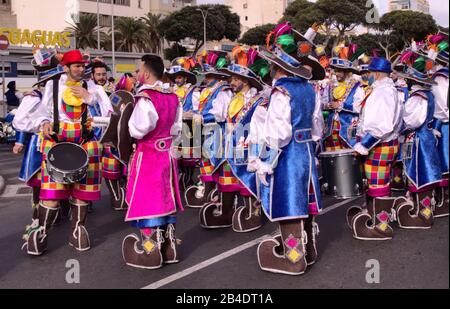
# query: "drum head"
67,157
119,99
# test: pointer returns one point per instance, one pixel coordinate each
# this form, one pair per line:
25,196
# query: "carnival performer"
437,46
152,191
28,140
347,94
377,139
234,181
63,117
288,133
184,82
420,152
210,113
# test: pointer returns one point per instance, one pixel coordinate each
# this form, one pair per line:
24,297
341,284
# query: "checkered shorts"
334,142
378,164
227,181
112,168
89,188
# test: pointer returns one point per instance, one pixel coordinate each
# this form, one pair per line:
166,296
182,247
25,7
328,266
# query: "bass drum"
343,174
67,163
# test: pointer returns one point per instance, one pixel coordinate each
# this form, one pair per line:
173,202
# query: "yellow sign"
125,68
36,37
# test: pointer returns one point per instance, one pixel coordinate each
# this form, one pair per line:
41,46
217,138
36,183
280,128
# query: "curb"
2,184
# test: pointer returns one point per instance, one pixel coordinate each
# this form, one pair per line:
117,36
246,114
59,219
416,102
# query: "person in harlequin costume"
209,110
420,152
437,49
112,167
233,180
347,94
71,96
28,138
152,190
291,193
377,139
184,80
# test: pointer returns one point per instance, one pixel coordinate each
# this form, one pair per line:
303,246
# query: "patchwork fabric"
112,168
226,177
73,112
89,188
206,168
334,142
378,164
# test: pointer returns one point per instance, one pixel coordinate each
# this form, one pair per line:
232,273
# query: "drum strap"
55,107
84,131
86,135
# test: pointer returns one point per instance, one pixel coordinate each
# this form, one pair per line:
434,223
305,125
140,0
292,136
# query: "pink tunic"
152,190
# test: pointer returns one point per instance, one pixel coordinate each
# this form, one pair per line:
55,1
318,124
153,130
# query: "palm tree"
131,34
85,31
154,37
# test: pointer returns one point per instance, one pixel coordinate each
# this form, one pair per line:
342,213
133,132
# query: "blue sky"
439,9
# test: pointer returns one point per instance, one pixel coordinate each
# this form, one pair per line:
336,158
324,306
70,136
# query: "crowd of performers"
240,136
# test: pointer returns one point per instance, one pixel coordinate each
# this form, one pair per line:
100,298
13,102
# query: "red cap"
73,56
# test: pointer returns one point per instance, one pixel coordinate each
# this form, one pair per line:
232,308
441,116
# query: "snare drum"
67,163
343,174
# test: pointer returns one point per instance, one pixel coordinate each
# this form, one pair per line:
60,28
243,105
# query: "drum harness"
86,135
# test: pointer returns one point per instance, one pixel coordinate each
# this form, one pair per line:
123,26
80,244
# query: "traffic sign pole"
4,44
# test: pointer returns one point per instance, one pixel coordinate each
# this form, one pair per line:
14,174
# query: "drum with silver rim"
343,174
67,163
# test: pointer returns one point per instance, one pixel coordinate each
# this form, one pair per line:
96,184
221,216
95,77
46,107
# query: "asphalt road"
212,259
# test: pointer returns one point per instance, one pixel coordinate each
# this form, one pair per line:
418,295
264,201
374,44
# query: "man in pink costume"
152,193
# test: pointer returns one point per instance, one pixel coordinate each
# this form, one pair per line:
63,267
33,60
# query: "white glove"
253,165
262,172
359,148
436,133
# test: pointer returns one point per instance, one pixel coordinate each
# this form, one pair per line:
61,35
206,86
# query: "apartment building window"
245,5
139,4
246,18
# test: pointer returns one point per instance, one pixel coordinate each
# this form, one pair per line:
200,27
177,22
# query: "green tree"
407,25
131,35
152,22
343,15
368,41
85,31
302,14
175,51
188,23
256,35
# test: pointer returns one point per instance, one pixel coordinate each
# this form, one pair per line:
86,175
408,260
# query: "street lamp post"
113,40
98,25
204,15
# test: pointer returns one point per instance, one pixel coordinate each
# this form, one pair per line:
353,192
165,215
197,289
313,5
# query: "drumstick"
101,120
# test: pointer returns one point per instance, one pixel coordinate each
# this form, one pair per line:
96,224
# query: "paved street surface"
212,259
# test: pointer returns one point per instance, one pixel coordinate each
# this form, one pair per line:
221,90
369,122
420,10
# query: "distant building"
256,12
413,5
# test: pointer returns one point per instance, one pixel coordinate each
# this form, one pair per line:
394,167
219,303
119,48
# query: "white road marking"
11,191
225,255
204,264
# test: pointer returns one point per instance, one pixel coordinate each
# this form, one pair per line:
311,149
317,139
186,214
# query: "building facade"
413,5
255,13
